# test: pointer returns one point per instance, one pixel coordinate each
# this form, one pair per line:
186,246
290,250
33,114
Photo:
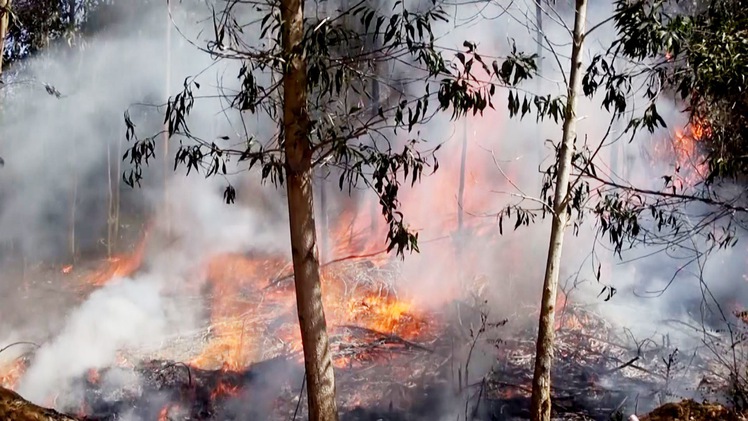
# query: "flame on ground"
250,294
118,266
687,153
251,297
11,373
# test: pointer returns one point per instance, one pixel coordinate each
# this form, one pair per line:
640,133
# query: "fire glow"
247,292
237,314
11,373
686,152
251,308
250,302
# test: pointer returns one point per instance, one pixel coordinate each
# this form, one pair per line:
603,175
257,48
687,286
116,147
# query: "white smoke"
52,140
125,314
56,147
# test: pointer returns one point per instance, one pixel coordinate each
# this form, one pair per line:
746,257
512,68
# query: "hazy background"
56,148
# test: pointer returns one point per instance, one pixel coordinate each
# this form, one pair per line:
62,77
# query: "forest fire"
248,294
251,318
11,373
689,158
118,266
387,341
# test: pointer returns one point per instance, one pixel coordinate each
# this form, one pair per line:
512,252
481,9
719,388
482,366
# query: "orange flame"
93,376
224,388
164,414
689,158
120,266
237,314
11,373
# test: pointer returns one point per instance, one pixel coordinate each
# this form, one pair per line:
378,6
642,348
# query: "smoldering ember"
373,210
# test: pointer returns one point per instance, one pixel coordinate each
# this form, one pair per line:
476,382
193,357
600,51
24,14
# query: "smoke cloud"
56,172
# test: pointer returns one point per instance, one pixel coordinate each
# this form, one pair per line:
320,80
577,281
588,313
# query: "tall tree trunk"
539,64
317,353
539,35
374,45
167,84
116,190
4,19
110,208
540,409
461,187
73,215
71,9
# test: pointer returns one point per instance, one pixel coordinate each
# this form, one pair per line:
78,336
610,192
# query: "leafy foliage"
364,125
36,25
698,53
692,52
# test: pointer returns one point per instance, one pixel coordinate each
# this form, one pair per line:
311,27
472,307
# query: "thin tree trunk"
4,19
540,409
539,64
461,187
539,34
74,209
73,214
110,207
317,353
374,44
167,84
110,220
116,191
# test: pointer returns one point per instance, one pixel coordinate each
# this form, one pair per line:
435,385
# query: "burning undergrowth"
394,359
250,317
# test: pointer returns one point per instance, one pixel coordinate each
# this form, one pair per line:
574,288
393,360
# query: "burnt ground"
35,299
391,380
388,378
168,391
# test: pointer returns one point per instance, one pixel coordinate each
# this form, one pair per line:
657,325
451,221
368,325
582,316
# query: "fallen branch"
289,277
628,363
3,349
388,337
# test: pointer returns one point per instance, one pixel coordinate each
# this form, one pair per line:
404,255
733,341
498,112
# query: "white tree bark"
540,409
4,19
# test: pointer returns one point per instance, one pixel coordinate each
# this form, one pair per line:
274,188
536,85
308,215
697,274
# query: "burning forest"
394,358
408,287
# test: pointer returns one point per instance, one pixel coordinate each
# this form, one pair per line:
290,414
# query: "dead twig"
18,343
628,363
176,364
388,337
301,395
289,277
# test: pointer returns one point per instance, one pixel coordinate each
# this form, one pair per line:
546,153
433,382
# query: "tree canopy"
701,55
364,126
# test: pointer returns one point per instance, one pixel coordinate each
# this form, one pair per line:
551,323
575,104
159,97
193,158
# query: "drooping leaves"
351,98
